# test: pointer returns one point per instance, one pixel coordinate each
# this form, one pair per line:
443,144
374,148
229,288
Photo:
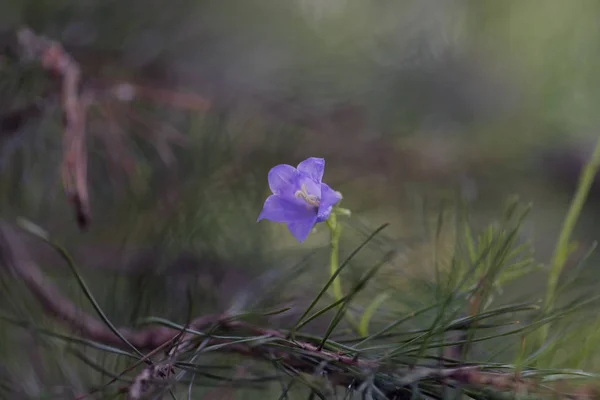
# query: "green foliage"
450,344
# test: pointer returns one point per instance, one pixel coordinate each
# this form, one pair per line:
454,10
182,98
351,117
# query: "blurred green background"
411,103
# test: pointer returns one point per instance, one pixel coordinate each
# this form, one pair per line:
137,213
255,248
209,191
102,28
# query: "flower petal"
283,179
280,210
301,230
307,182
314,167
329,198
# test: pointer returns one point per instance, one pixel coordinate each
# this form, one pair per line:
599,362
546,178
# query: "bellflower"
299,198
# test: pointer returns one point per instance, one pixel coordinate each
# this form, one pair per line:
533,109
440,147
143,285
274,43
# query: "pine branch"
341,368
75,96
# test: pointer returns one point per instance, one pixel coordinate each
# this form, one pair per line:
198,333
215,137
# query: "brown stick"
14,255
53,58
74,101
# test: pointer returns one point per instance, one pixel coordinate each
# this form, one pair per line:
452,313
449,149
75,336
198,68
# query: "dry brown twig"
76,96
53,58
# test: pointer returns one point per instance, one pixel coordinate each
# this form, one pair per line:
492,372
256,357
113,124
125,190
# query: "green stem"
335,230
563,247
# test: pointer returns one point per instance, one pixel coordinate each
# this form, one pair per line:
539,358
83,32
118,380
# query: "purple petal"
313,167
283,179
329,198
301,230
280,210
312,187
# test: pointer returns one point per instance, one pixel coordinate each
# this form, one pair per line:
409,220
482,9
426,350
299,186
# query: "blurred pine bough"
453,332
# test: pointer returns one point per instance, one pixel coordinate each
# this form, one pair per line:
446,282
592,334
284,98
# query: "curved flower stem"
335,230
334,263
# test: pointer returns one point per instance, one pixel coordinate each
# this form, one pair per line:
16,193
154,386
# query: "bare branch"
75,98
53,58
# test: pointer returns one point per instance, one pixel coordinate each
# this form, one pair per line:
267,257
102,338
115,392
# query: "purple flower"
299,198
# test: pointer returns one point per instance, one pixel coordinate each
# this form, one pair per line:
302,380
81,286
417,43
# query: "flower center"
310,199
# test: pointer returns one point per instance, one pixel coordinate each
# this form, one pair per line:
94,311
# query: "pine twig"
53,58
